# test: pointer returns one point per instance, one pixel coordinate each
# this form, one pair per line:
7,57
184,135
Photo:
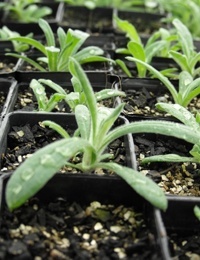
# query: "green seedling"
188,88
25,11
95,132
6,34
186,11
73,98
156,44
57,58
187,58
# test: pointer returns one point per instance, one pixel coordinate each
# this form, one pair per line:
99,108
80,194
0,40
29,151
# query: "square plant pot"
23,134
101,218
141,96
96,20
182,227
145,22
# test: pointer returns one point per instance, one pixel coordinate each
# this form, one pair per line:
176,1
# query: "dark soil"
185,247
62,230
173,178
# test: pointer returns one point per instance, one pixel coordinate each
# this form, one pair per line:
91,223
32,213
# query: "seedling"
188,88
6,34
57,58
91,139
186,11
137,49
25,11
73,98
187,58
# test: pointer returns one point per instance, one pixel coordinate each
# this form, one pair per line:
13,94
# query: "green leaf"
153,49
195,152
28,60
56,127
185,79
128,28
49,36
185,36
76,71
197,212
31,42
144,186
52,85
124,67
83,120
157,127
52,55
53,101
158,75
181,60
40,94
38,169
137,51
108,93
167,158
180,113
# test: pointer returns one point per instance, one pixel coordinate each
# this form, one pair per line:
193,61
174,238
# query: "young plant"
56,58
73,98
6,34
95,132
187,58
137,49
186,11
26,11
188,119
188,87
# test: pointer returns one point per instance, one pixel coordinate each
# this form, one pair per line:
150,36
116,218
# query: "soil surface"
62,230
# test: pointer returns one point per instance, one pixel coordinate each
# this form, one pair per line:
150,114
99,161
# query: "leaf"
108,93
185,36
52,55
195,152
28,60
31,42
38,169
158,75
124,67
184,80
197,212
153,49
180,113
40,94
49,36
144,186
52,85
128,28
167,158
76,71
138,52
53,101
56,127
83,120
181,60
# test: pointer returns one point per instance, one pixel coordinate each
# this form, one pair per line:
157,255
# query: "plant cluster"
25,11
6,34
56,55
96,124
